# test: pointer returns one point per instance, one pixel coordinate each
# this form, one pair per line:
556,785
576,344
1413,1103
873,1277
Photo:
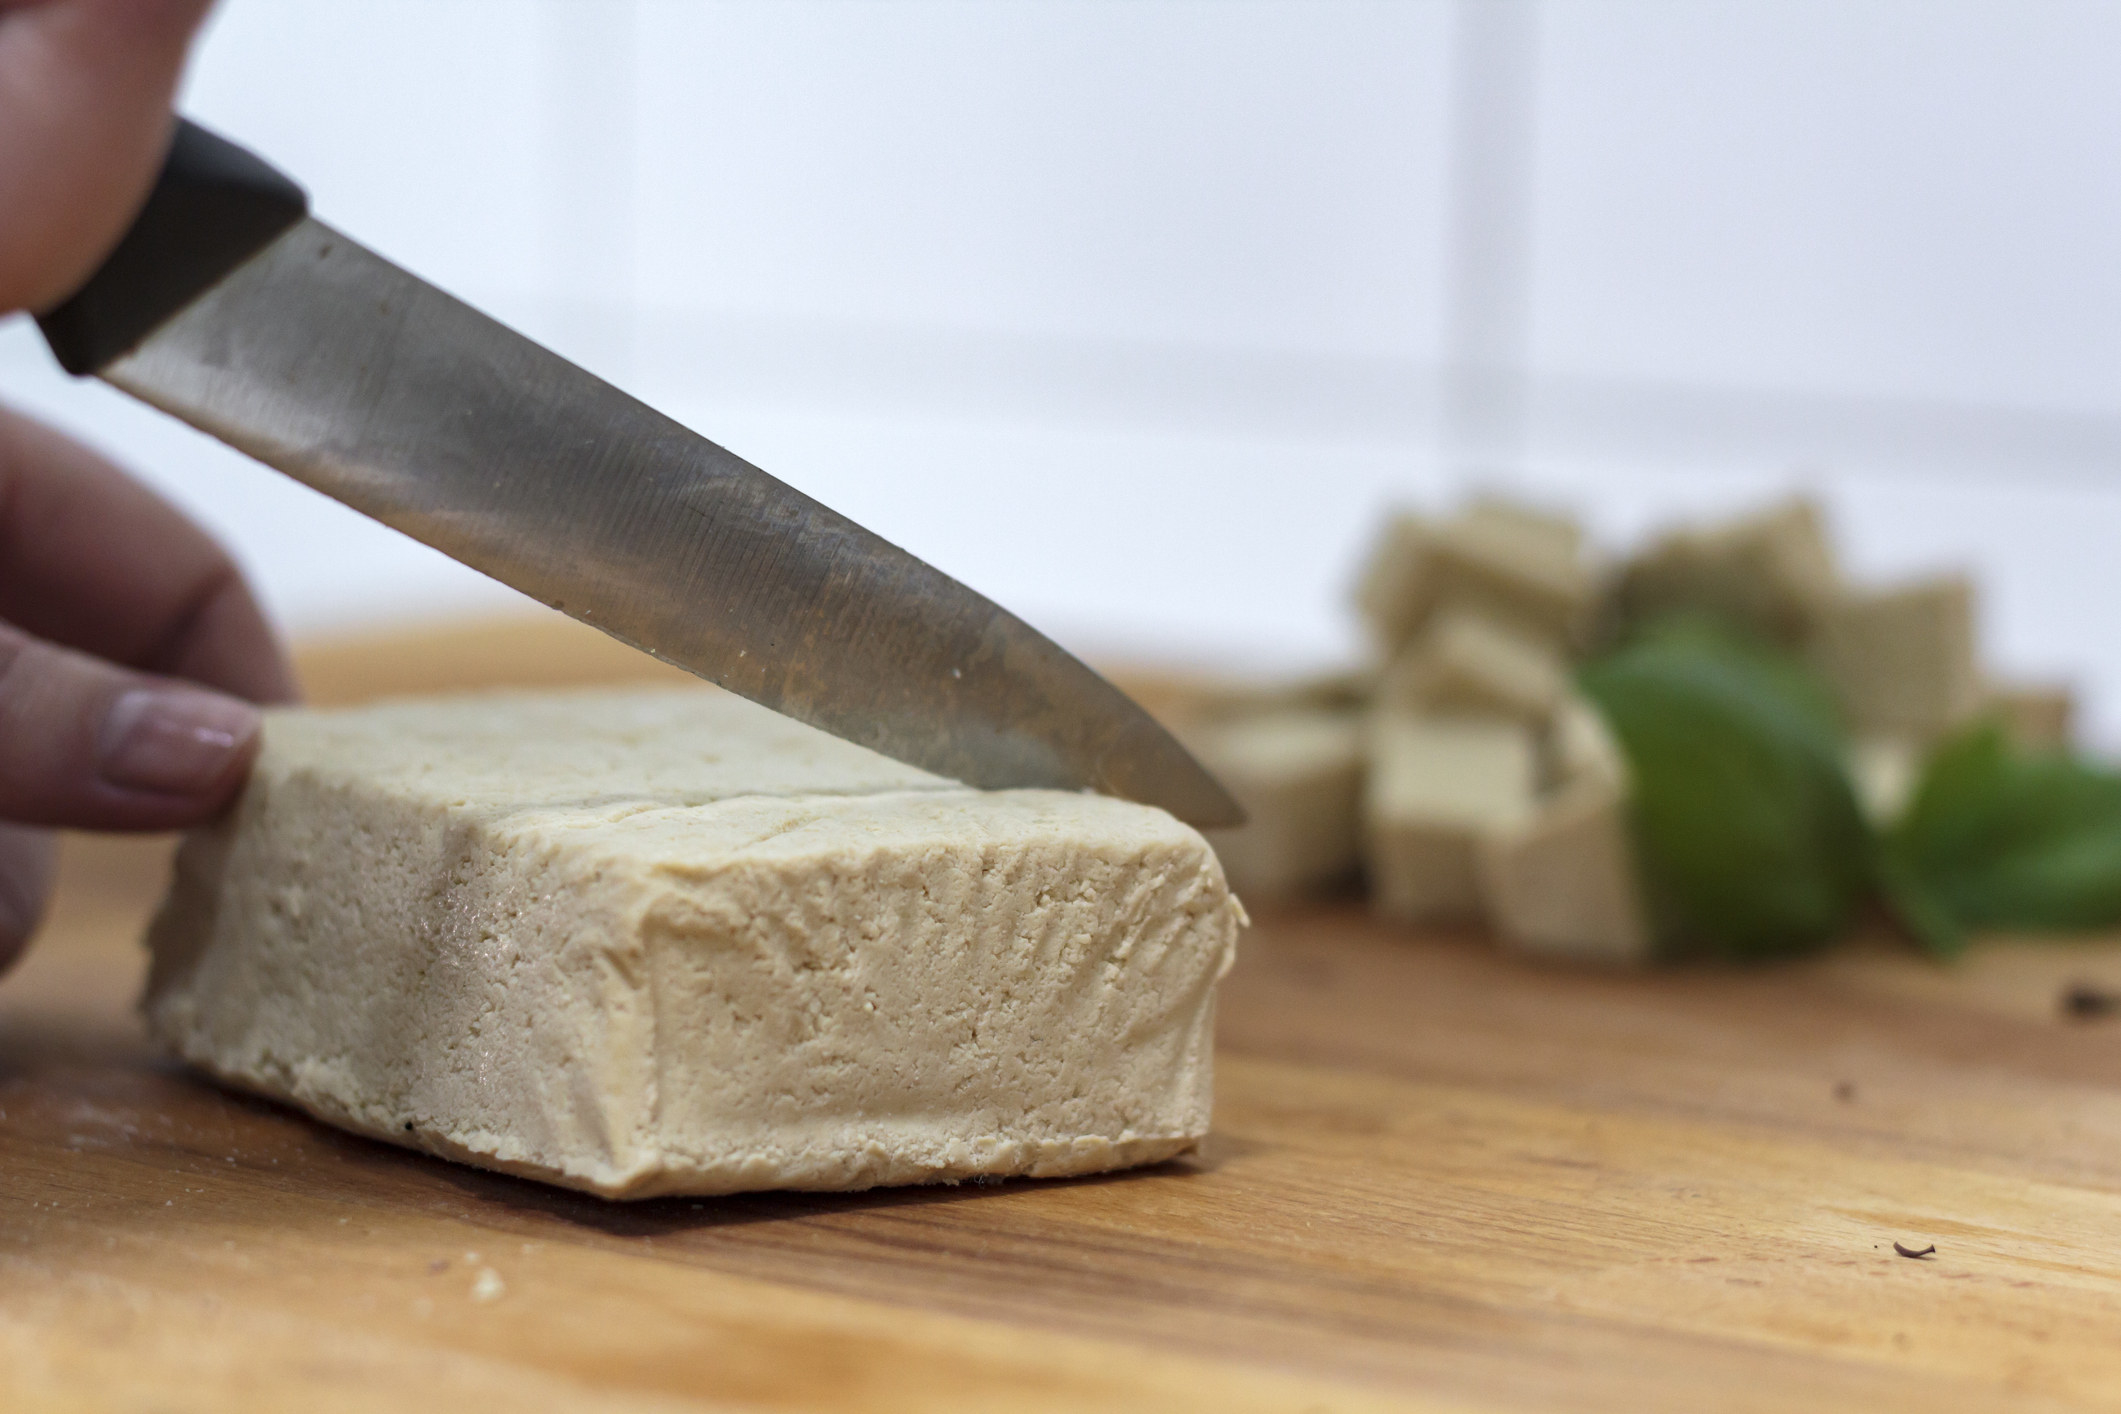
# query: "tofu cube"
1772,573
1559,537
1902,660
1393,594
1563,884
1511,562
1436,787
1298,774
1467,664
1513,570
2039,716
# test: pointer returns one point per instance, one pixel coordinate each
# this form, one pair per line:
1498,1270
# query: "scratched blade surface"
324,360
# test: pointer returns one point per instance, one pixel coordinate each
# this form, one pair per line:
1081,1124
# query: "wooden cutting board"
1440,1179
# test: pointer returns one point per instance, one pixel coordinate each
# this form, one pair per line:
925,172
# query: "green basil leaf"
1749,837
2001,837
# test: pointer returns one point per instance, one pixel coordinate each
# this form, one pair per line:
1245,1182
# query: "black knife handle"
213,207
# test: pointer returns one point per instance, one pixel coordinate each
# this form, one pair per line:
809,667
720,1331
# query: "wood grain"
1440,1180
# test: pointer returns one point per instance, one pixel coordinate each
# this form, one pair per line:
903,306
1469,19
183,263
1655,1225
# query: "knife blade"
322,359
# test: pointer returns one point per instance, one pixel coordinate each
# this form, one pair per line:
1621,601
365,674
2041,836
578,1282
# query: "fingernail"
174,741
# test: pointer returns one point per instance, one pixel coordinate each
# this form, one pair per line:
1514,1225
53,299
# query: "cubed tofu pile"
1464,778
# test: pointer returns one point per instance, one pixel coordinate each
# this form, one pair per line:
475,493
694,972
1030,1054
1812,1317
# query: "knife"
227,305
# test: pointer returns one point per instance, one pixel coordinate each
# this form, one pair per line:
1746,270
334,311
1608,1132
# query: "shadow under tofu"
659,1217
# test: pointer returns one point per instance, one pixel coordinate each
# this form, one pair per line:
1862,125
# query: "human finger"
92,559
88,744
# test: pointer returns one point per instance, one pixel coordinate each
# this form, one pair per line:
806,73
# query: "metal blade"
323,359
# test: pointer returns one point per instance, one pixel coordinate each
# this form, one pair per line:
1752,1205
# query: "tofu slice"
1436,786
1563,883
1298,774
1902,659
1467,664
667,942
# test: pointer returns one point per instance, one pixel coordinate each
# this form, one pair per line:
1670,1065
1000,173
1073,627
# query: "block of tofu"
667,942
1562,884
1902,660
1298,774
1436,786
1468,664
1772,572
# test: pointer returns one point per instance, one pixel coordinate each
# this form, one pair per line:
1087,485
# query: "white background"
1134,313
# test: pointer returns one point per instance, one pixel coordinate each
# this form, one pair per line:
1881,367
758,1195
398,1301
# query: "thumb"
26,860
93,746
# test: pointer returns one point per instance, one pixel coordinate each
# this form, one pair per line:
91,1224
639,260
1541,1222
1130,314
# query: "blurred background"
1135,314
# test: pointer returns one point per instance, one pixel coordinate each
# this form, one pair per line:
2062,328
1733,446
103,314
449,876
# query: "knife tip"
1158,770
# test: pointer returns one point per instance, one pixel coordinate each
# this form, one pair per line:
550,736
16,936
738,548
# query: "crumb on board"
2082,1001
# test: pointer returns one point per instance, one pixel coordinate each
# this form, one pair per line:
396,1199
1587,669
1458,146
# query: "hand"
85,90
119,619
128,641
